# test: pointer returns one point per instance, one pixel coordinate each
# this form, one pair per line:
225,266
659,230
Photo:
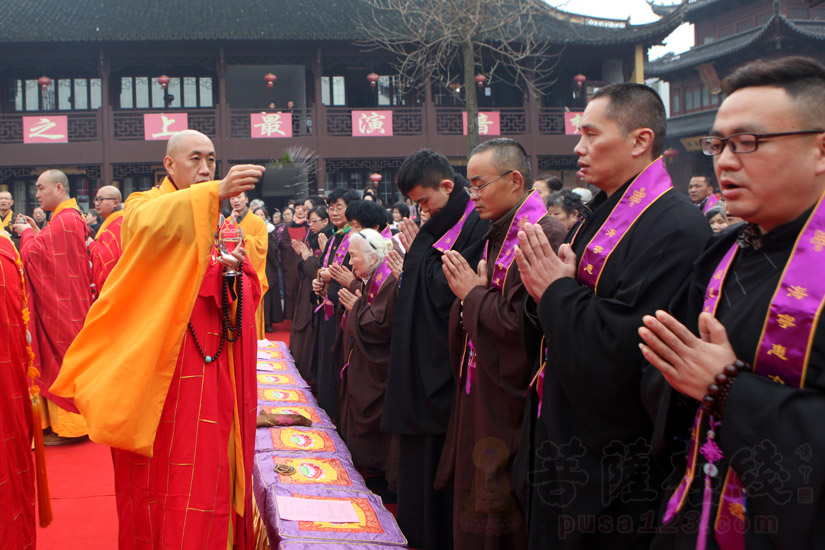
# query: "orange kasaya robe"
256,243
58,280
17,489
105,250
182,429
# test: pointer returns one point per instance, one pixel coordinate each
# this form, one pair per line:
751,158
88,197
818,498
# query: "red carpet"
81,482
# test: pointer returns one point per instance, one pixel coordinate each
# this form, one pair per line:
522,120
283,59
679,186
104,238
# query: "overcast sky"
639,12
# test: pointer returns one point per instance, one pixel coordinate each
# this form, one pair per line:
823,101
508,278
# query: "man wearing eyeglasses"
585,468
748,364
106,249
490,366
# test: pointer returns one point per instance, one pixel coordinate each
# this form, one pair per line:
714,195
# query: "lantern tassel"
44,504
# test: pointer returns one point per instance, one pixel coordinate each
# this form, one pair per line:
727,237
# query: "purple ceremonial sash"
710,203
648,186
340,254
531,211
783,351
447,241
387,232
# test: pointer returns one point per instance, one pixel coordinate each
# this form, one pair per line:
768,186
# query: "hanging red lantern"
376,179
44,82
164,80
270,80
480,79
373,79
579,79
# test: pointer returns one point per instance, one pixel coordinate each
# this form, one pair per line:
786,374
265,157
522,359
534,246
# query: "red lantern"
480,78
376,179
579,79
373,79
270,80
164,80
670,153
44,82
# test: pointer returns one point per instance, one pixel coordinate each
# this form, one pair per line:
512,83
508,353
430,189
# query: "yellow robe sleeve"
256,242
119,367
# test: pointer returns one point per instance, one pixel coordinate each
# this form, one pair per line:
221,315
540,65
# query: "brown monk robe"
366,341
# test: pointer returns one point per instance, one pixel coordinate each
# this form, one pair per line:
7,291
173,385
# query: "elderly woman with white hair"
370,304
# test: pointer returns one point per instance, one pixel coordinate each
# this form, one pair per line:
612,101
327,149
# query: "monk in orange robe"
256,242
59,284
164,368
17,521
105,250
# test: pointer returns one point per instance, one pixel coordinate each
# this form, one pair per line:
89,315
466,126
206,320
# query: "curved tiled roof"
693,124
38,21
693,6
776,25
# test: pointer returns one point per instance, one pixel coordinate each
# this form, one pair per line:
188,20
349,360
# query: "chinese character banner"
271,125
572,123
372,123
489,123
46,129
162,126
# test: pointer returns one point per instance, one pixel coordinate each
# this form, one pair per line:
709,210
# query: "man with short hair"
155,373
256,243
547,184
420,385
58,279
584,469
748,364
105,250
490,366
700,190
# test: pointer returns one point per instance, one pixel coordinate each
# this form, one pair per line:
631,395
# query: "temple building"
728,33
94,88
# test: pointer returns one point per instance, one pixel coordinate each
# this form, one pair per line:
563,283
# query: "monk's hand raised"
407,232
301,249
460,276
29,222
341,274
688,363
240,178
396,263
538,264
233,259
347,298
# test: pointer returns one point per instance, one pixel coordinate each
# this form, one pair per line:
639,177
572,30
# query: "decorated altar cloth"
312,464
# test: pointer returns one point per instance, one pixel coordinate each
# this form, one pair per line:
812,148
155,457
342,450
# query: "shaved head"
6,200
52,189
107,200
190,158
110,191
56,176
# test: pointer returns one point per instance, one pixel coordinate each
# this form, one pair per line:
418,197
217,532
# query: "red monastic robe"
105,250
182,430
58,280
17,489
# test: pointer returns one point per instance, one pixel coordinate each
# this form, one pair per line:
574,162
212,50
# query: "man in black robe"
584,466
768,148
420,386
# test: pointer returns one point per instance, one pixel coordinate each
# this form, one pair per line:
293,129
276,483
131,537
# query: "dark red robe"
105,250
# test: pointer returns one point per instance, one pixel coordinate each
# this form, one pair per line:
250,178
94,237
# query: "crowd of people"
515,363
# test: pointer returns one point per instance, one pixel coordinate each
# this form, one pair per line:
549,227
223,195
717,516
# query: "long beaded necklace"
226,324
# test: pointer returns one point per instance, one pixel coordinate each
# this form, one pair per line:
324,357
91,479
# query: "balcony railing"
449,121
240,122
82,126
551,121
406,121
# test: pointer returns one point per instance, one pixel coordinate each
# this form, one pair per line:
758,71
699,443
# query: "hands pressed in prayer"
240,178
407,232
396,263
347,298
20,227
322,241
538,264
460,276
341,274
301,248
688,363
234,259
